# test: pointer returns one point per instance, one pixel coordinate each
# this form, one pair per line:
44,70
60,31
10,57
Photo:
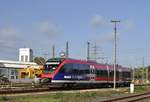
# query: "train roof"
55,59
96,64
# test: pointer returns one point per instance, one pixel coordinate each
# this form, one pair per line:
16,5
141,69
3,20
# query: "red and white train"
64,71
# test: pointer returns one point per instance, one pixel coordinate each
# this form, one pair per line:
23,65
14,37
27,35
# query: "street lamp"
115,49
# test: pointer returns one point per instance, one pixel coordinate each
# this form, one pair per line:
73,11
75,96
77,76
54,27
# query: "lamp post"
88,50
53,51
115,48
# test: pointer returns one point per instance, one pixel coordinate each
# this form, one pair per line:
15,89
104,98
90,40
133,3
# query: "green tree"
39,60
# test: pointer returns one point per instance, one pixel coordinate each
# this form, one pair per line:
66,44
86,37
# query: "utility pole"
147,80
88,50
147,74
133,73
67,49
95,52
53,51
115,49
143,65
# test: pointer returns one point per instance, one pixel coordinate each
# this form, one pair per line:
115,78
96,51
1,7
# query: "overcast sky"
38,24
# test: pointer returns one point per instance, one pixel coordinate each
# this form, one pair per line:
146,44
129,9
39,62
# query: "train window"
75,69
62,69
111,73
117,73
87,67
82,68
129,74
50,68
126,74
98,73
81,72
67,68
103,73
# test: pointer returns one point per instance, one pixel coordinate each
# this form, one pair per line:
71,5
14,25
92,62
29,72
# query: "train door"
120,75
92,73
108,74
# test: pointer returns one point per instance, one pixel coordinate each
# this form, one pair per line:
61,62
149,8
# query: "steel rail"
22,90
132,98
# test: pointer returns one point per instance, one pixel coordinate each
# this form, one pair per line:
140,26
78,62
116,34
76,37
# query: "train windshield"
50,67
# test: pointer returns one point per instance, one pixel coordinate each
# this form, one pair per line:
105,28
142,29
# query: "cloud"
107,38
97,21
49,29
8,37
127,25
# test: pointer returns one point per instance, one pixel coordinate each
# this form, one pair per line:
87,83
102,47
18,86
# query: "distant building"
10,69
25,55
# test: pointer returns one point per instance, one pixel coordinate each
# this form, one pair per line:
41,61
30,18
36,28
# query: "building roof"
16,64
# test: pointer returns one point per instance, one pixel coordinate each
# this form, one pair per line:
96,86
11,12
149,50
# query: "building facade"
25,55
10,69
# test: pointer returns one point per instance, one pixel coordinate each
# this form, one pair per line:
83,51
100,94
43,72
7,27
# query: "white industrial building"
10,69
25,55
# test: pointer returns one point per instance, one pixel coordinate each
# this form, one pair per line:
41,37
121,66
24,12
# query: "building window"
22,58
12,77
14,74
16,77
26,58
1,71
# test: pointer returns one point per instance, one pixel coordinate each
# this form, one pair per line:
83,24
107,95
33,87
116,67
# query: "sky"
39,24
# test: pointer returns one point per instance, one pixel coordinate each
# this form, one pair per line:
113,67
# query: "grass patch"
140,89
61,97
94,96
4,98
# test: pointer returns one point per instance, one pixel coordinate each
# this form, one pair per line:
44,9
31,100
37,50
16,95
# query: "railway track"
26,91
6,91
22,90
132,98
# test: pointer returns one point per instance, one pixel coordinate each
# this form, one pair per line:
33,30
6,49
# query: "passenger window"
75,69
81,69
97,73
87,67
67,68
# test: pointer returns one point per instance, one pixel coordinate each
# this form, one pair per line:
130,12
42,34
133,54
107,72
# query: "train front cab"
50,68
